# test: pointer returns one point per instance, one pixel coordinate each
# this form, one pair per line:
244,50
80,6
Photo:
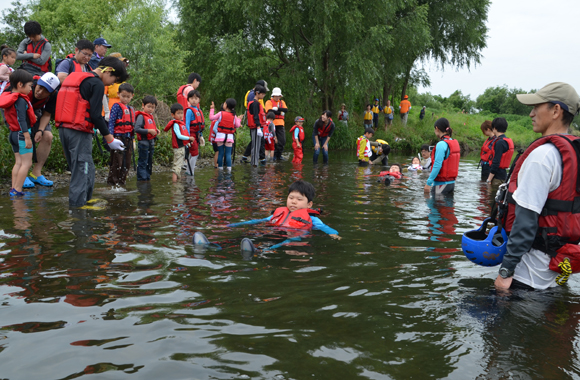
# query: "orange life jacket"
149,123
278,104
300,132
182,99
486,150
38,50
396,175
559,223
72,111
227,123
197,124
450,166
127,123
261,115
300,219
506,158
7,101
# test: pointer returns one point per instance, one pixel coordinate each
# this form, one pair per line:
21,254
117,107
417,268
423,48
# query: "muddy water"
118,292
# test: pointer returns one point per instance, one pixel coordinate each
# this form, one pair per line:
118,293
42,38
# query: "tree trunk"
387,92
406,82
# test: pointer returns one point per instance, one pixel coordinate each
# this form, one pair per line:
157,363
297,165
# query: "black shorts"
215,147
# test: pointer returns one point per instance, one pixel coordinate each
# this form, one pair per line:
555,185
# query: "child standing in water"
20,118
297,132
180,139
226,124
270,139
415,164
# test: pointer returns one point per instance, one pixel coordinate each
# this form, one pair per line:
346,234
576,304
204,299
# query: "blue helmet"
485,249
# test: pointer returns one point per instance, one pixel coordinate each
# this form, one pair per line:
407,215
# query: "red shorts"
270,145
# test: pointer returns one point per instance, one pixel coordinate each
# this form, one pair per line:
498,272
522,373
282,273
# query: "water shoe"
27,184
41,180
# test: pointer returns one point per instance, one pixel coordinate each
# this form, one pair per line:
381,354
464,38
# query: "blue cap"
101,41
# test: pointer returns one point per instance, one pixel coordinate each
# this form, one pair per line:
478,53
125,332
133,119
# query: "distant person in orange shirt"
404,108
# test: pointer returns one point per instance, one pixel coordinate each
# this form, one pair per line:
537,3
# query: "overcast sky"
530,44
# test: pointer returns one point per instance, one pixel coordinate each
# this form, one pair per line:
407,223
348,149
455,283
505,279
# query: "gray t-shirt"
539,175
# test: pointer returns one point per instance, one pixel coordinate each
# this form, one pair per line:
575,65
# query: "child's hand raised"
212,105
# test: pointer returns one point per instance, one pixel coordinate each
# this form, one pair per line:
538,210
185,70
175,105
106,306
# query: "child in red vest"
122,127
20,118
224,128
297,132
298,215
147,132
180,139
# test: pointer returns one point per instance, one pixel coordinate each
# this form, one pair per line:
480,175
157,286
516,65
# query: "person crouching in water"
363,147
226,124
445,160
297,132
122,126
380,152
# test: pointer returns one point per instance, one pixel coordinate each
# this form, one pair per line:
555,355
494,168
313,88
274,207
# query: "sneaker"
200,239
245,159
263,162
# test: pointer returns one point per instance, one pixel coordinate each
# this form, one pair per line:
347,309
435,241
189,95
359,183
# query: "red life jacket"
37,103
212,132
559,223
397,175
450,165
175,142
7,101
486,149
197,124
182,99
127,123
76,67
38,50
300,132
261,115
149,123
300,219
506,158
227,123
277,104
325,130
72,111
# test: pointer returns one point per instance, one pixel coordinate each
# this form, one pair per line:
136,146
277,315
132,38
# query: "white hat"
49,81
276,91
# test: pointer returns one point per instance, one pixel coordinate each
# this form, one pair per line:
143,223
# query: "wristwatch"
505,273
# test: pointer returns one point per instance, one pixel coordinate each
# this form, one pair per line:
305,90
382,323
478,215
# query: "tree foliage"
501,100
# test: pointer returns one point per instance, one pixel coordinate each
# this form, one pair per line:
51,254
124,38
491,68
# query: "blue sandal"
27,184
41,180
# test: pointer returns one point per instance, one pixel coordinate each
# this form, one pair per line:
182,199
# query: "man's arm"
92,90
21,53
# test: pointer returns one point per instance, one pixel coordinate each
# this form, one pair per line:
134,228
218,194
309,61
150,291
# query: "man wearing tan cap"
542,216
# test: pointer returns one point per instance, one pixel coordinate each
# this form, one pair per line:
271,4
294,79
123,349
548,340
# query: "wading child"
194,119
8,59
20,117
485,152
298,215
226,124
213,143
297,132
368,117
256,118
363,147
426,157
502,150
270,139
180,139
147,132
121,126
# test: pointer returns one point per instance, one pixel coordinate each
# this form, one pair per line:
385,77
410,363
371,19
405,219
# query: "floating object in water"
482,248
247,249
200,239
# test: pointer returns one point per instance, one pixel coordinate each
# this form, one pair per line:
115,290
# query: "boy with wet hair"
34,51
122,126
298,215
147,132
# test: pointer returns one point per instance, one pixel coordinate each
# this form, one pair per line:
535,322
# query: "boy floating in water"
297,214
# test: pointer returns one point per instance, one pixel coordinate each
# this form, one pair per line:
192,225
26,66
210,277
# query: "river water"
118,292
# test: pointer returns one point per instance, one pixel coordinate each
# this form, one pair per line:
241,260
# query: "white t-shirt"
539,175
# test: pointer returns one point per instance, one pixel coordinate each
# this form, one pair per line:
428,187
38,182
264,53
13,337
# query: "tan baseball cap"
558,92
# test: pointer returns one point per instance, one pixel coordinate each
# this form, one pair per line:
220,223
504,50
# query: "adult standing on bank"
83,92
389,115
79,62
101,47
278,106
404,108
321,134
445,158
542,219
